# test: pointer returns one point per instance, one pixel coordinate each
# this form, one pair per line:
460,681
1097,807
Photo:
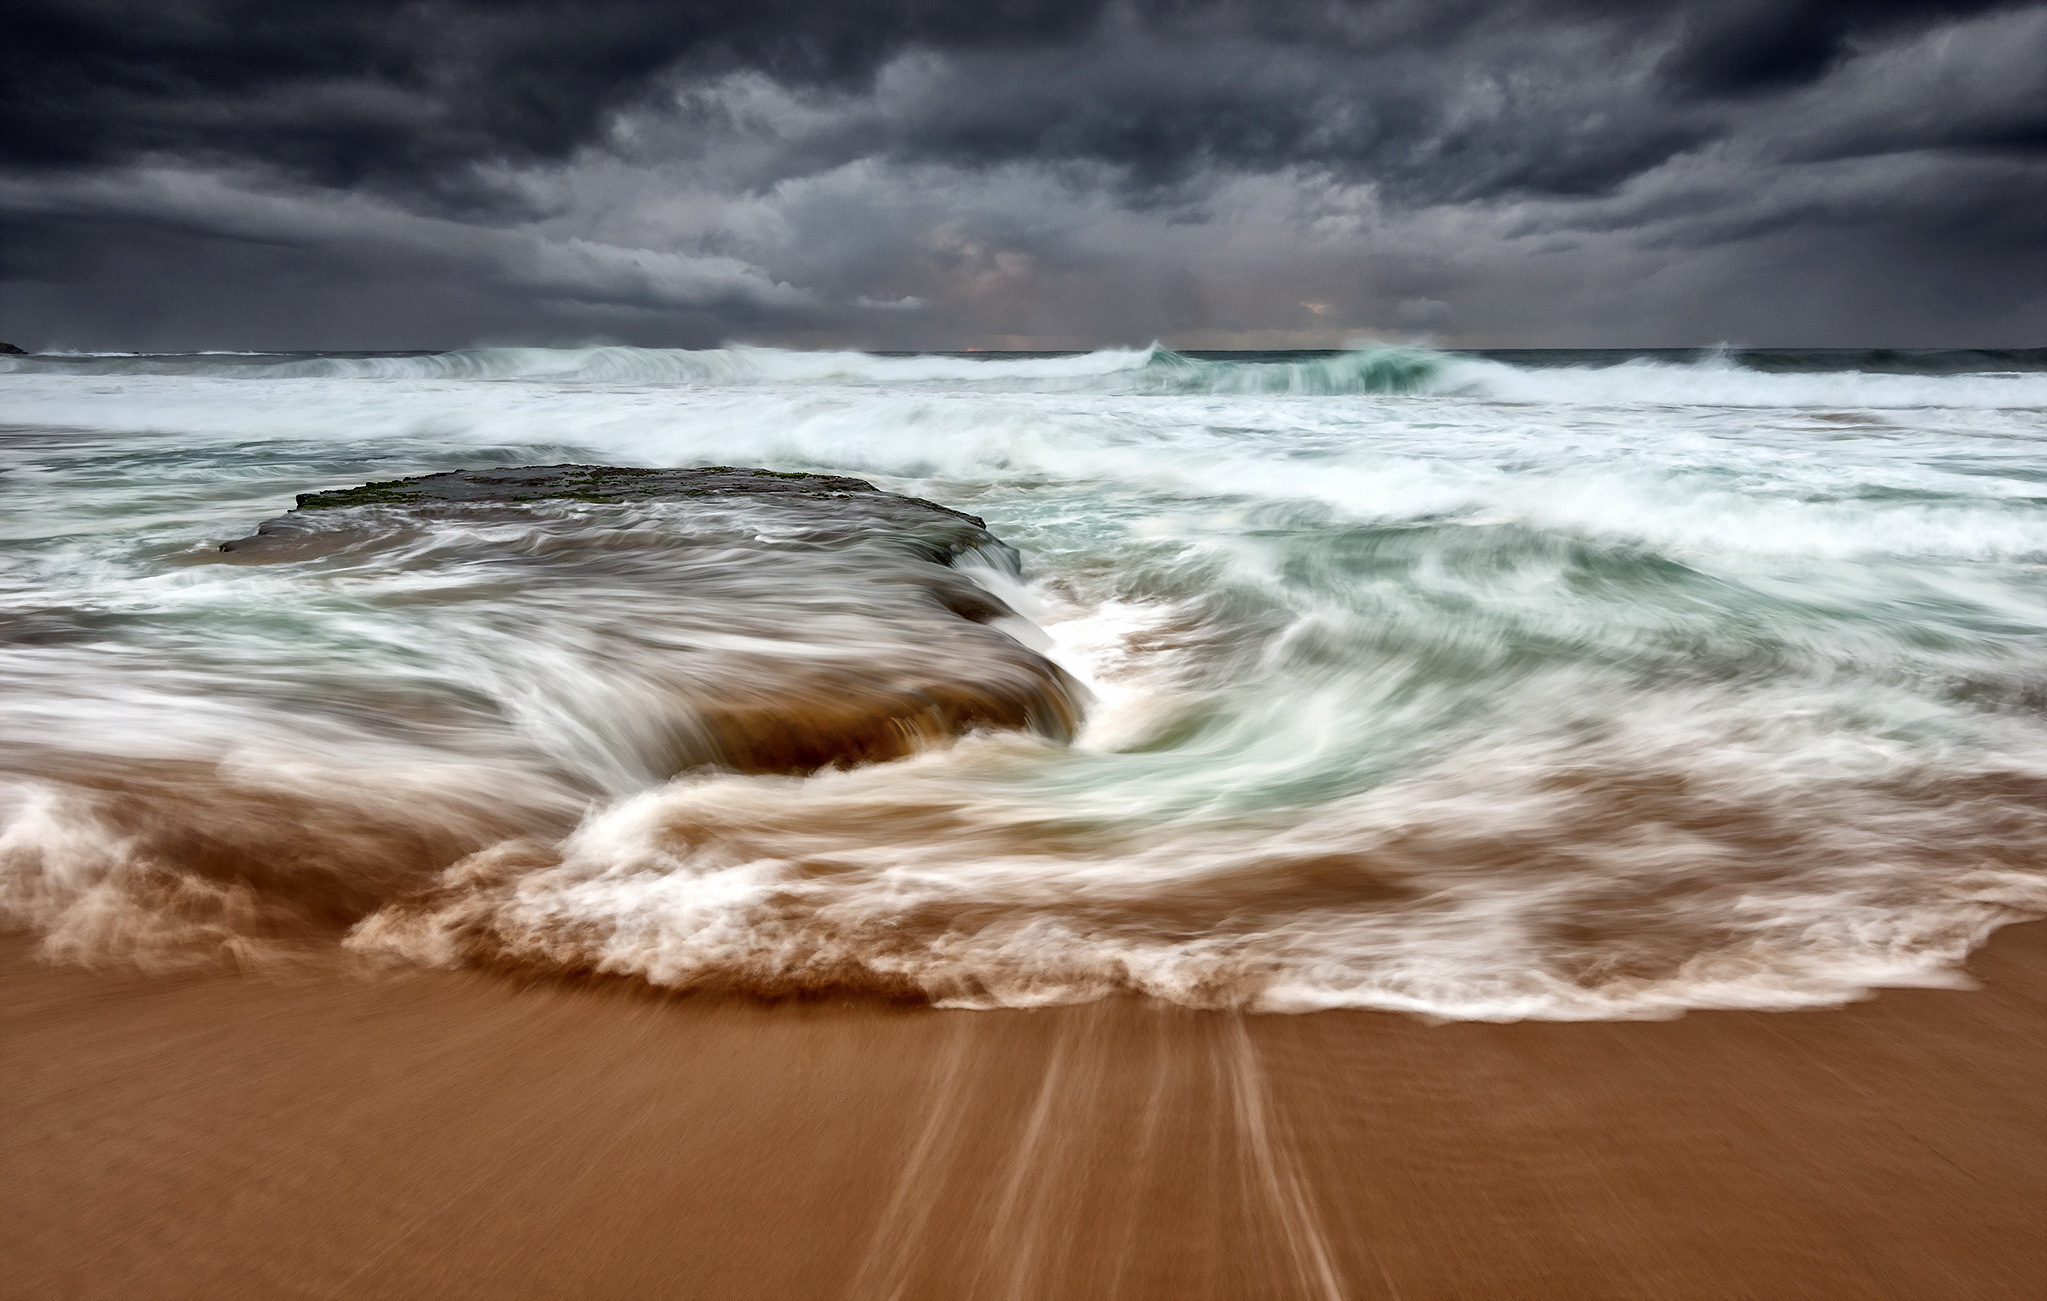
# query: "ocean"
1564,685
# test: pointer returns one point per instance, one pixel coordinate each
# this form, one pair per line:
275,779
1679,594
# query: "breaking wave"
2012,377
1154,369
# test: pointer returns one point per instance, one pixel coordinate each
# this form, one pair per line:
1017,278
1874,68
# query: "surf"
1475,686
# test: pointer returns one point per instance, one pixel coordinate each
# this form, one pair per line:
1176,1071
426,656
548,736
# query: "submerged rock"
776,623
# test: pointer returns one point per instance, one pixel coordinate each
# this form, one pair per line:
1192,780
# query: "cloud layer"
206,173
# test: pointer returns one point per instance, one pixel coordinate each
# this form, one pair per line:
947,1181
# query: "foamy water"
1411,680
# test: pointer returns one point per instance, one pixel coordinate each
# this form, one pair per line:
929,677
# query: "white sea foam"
1711,381
1719,384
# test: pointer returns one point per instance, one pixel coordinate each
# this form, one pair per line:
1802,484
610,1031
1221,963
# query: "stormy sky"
187,174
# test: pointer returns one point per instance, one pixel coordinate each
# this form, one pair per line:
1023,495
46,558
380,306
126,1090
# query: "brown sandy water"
404,1135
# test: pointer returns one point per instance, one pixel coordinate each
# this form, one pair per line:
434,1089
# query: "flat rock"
938,529
602,483
791,622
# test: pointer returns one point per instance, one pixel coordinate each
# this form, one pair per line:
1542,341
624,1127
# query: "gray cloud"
1056,174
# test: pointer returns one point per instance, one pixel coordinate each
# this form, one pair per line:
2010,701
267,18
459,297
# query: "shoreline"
462,1135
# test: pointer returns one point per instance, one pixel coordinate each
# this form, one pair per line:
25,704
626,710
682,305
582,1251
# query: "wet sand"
428,1135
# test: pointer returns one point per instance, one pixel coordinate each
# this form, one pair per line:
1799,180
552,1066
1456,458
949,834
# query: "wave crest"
2009,378
1137,370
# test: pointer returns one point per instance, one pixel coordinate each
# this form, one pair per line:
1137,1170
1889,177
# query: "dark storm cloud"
405,89
1159,113
411,91
1743,47
1433,103
860,169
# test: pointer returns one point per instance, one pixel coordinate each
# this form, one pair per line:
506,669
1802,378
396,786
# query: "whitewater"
1567,686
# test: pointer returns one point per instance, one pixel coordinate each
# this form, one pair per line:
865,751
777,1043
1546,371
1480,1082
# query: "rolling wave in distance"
1479,686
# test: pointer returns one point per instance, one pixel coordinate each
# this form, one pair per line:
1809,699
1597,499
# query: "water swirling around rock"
1454,684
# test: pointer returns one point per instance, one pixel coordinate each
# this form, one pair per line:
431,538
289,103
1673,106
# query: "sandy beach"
412,1134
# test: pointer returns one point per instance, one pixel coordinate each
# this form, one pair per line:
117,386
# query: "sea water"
1479,686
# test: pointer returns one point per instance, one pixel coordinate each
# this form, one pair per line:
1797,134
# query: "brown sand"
426,1135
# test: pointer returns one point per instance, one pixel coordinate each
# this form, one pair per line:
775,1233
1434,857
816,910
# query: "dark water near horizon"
1567,684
